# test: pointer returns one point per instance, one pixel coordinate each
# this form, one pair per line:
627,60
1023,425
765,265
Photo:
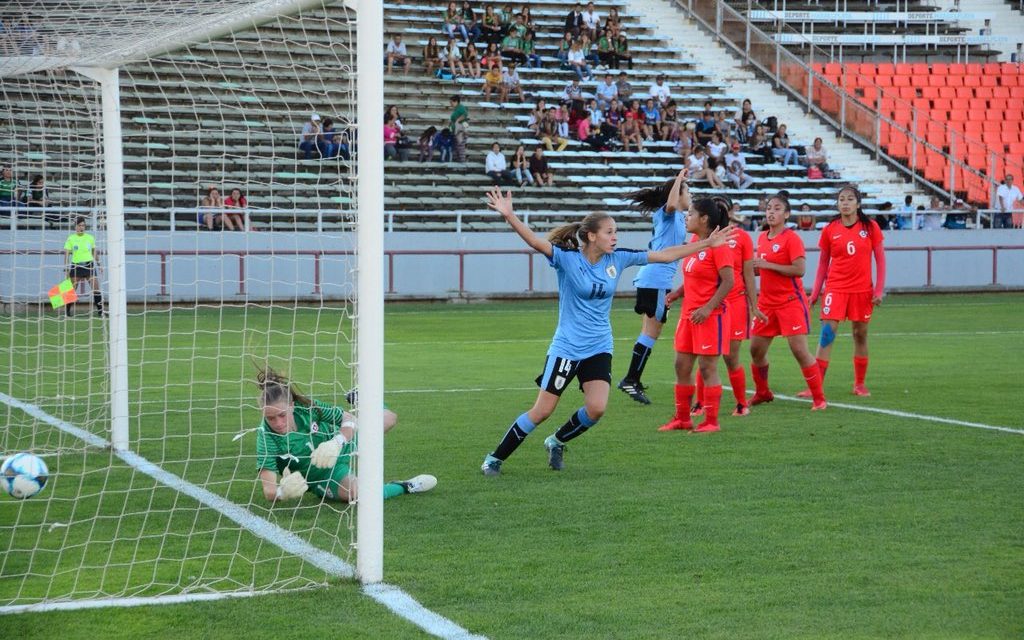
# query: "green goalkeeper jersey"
313,425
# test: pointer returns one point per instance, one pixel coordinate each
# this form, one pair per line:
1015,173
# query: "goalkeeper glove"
327,453
292,486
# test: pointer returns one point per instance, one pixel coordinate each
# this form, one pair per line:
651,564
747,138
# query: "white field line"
99,603
392,597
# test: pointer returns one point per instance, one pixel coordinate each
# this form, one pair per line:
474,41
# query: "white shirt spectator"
495,162
576,56
509,79
310,128
695,165
732,159
660,92
597,117
716,149
398,49
606,92
572,92
1007,196
454,53
591,20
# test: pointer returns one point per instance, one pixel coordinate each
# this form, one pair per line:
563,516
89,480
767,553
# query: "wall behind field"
233,267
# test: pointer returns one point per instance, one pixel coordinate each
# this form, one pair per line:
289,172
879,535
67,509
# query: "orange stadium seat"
972,81
989,81
935,80
883,81
942,104
907,93
991,126
886,69
929,92
1017,93
1016,148
957,115
900,81
940,68
998,104
903,69
902,116
1009,137
1010,69
1013,115
973,69
1001,92
978,105
833,69
957,69
1009,81
954,81
991,69
919,70
947,92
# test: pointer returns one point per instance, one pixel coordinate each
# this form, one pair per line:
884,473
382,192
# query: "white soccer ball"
23,475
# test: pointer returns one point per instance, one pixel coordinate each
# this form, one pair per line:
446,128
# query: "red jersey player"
844,283
703,321
780,260
742,305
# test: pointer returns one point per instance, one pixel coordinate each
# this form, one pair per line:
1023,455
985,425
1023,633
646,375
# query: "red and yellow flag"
62,294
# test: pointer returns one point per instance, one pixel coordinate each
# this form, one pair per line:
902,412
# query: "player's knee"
595,410
860,333
828,335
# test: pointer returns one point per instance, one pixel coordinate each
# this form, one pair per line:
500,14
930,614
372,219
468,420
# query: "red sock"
823,365
760,375
860,369
712,398
700,389
813,377
738,382
684,395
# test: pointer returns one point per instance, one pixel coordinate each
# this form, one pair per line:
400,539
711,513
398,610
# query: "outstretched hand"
502,203
720,236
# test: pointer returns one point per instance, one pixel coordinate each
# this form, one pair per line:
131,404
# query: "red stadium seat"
904,69
888,104
921,104
954,81
991,69
867,69
1009,81
989,81
1009,137
900,81
1016,148
920,70
957,69
1010,69
937,124
936,80
978,106
929,92
907,93
833,69
936,139
940,68
902,116
972,81
973,69
947,92
957,115
883,81
965,93
1017,93
998,104
886,69
1013,115
1001,92
991,126
942,104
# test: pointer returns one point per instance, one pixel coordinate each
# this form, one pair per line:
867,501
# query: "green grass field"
845,524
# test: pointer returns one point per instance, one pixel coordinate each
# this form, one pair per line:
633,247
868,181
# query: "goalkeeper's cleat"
819,406
697,409
675,424
707,427
352,396
806,393
491,466
861,390
741,410
635,390
761,399
556,453
419,484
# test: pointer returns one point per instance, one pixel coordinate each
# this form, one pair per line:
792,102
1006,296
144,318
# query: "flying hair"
276,388
651,199
573,236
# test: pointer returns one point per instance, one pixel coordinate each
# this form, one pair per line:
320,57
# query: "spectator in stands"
578,63
745,113
536,116
549,132
492,82
932,220
533,60
1008,197
574,21
431,55
621,51
697,167
684,143
651,119
518,26
521,167
573,92
234,203
472,61
956,218
36,196
591,21
736,168
760,143
606,92
508,18
452,22
451,55
587,46
328,136
390,138
512,48
444,142
612,120
716,150
817,156
705,127
492,56
904,219
631,130
669,122
491,26
510,83
10,192
458,124
496,167
539,168
396,117
211,210
426,144
397,54
781,149
309,138
805,221
623,88
470,27
564,46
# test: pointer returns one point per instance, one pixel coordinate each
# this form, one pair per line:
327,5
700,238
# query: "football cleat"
819,406
861,390
708,427
491,466
741,410
419,484
761,399
675,424
635,390
556,453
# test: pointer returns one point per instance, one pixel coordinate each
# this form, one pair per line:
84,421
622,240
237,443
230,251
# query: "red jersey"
777,289
742,248
701,277
850,250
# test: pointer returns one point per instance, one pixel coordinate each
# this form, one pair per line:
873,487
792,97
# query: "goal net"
235,247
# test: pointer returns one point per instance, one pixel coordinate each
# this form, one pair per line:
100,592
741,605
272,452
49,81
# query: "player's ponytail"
651,199
573,236
716,210
276,388
861,216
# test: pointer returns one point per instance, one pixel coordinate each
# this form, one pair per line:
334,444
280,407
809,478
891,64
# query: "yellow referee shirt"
80,246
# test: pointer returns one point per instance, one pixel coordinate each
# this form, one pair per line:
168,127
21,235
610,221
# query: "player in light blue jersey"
667,204
589,266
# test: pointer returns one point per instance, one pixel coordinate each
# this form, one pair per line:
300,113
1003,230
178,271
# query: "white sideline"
142,601
391,597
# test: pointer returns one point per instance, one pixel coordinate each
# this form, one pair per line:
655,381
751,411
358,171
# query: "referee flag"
62,294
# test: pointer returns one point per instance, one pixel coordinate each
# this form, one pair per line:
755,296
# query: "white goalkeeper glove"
292,486
327,453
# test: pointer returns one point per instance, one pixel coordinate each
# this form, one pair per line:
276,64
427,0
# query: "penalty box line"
396,600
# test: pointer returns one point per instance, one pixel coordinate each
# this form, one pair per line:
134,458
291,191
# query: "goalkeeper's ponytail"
276,388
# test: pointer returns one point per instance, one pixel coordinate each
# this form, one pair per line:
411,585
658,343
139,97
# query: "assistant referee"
80,259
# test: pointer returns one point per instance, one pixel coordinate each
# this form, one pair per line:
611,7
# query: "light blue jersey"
585,300
669,231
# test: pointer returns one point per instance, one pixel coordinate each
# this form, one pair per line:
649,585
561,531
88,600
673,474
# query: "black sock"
514,437
97,300
578,423
641,353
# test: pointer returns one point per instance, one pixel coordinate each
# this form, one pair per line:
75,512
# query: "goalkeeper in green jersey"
309,444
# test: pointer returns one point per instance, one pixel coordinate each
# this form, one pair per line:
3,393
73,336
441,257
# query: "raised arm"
717,238
677,200
502,203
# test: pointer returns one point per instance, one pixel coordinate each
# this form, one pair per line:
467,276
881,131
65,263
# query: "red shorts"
855,307
739,319
705,339
791,319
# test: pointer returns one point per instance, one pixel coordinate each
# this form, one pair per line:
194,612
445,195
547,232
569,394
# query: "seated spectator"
613,116
426,144
496,166
564,46
492,57
759,143
745,114
309,139
470,27
521,167
736,168
612,19
573,92
492,82
396,117
539,169
444,143
630,131
10,192
817,156
958,214
805,221
549,132
574,21
697,166
562,116
510,83
651,119
746,130
781,149
234,220
472,61
451,20
904,219
530,51
328,137
431,55
36,192
578,63
606,52
705,127
451,56
684,143
590,133
716,150
528,19
458,124
589,50
591,21
518,26
620,50
397,54
669,122
723,125
211,210
490,26
539,109
606,92
623,88
512,48
932,221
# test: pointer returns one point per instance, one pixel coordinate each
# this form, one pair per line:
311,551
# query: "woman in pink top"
390,138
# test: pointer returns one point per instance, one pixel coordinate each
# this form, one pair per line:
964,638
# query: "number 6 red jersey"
850,250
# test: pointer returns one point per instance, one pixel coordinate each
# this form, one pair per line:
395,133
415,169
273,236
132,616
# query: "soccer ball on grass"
23,475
